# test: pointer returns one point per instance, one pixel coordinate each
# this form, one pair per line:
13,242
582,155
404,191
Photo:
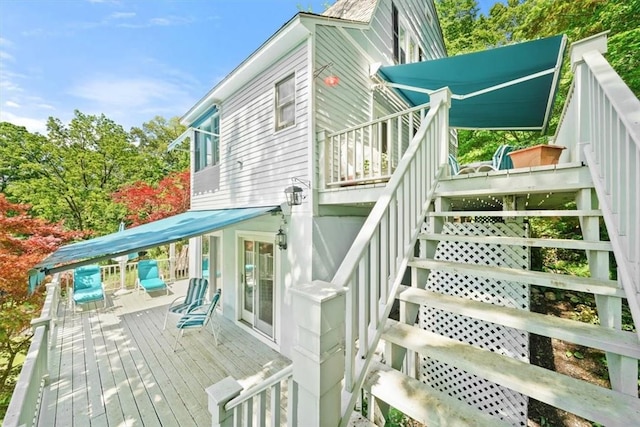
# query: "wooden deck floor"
115,366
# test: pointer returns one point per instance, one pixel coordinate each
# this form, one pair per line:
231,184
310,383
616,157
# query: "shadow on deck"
115,366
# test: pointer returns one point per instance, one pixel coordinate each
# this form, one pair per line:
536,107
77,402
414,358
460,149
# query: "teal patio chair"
499,161
195,297
205,268
87,285
199,318
149,277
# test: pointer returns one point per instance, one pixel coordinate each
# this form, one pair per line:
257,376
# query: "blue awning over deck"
164,231
510,87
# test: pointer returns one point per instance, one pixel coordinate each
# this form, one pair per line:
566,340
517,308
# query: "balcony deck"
115,366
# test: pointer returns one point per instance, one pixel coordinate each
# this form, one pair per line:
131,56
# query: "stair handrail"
608,121
373,268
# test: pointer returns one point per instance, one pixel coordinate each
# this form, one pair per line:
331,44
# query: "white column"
172,262
195,257
318,354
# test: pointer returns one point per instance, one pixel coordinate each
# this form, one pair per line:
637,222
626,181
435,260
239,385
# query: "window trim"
278,108
199,165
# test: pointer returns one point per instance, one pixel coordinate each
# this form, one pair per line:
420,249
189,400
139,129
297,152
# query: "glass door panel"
258,304
264,300
248,281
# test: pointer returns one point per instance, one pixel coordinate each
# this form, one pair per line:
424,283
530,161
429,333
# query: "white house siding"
332,239
352,51
256,161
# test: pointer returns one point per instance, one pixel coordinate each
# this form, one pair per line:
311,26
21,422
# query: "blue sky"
129,59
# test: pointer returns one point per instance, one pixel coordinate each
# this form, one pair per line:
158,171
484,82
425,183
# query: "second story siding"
256,160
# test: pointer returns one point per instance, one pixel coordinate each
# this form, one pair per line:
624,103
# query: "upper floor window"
395,19
286,102
207,142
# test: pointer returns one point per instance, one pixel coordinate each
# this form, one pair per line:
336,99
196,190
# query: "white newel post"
598,43
442,95
318,354
219,395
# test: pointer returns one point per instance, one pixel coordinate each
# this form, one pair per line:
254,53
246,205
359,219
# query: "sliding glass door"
258,281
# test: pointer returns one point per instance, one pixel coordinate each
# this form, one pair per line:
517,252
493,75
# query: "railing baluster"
374,275
350,334
363,307
276,401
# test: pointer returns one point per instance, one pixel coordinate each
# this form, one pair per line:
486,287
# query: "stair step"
594,336
551,280
584,399
423,403
567,178
520,213
521,241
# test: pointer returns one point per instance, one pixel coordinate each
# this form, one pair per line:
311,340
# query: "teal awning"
164,231
510,87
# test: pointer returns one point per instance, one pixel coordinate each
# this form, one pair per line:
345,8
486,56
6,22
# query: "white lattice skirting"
482,394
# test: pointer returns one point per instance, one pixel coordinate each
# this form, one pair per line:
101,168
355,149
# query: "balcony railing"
370,152
26,400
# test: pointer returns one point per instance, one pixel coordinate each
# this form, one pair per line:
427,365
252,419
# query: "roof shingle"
352,10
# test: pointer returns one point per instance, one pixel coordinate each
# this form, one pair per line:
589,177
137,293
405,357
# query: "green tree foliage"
465,30
69,174
24,241
152,139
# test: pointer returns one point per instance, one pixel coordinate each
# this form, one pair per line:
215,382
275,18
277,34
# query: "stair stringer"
480,393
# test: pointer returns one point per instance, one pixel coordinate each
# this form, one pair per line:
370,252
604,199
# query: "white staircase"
435,407
602,177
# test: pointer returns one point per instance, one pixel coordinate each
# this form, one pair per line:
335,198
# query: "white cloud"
122,15
4,56
130,93
46,107
5,42
31,123
12,104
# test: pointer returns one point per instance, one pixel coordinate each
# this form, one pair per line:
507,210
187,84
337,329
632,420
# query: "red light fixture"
332,81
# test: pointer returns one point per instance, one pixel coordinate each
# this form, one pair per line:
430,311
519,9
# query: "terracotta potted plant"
538,155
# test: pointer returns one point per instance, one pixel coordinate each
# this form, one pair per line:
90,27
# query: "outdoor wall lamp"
281,239
294,193
331,80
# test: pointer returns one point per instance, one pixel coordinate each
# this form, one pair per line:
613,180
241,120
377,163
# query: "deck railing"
111,277
259,405
608,125
24,408
370,152
373,268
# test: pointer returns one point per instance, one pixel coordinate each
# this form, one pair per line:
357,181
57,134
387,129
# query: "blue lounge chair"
149,277
196,293
199,318
87,285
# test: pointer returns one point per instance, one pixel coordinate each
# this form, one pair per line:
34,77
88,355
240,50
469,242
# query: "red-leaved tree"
146,203
24,241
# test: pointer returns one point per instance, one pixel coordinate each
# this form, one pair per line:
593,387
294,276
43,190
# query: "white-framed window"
286,102
207,142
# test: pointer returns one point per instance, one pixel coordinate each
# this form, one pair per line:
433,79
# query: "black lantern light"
294,195
281,239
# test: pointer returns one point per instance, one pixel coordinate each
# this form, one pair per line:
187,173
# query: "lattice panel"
482,394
